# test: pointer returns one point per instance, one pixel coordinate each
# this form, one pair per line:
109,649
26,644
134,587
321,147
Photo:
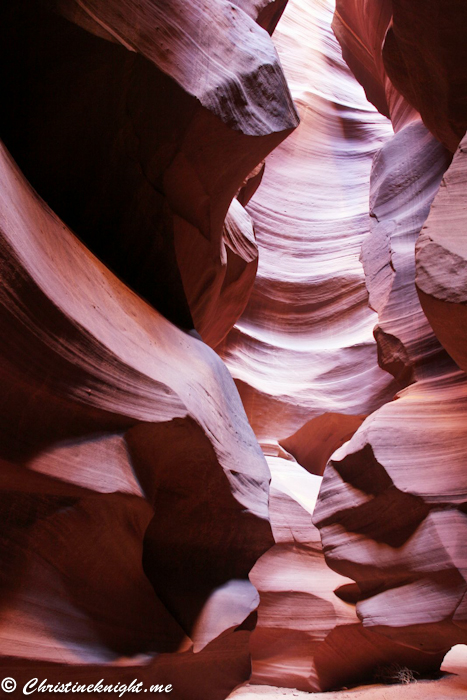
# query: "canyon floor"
452,686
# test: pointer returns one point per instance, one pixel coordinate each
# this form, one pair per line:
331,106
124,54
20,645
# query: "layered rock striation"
374,516
152,222
304,345
118,430
139,129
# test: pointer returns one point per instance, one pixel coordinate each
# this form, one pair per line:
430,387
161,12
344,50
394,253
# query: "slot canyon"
233,306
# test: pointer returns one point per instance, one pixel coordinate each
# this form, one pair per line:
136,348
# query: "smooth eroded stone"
304,345
118,432
138,153
308,635
425,56
441,258
405,177
361,26
394,521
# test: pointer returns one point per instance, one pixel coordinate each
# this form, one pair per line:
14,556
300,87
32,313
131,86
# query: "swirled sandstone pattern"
304,345
113,441
305,306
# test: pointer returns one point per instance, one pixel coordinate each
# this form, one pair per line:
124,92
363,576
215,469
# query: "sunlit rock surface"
442,261
304,345
144,210
308,635
391,516
303,355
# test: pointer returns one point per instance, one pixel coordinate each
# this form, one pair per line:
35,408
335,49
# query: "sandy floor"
453,686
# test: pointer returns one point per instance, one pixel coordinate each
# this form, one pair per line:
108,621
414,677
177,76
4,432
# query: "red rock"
425,57
135,497
307,637
304,345
401,538
441,255
389,515
314,443
361,27
135,150
105,423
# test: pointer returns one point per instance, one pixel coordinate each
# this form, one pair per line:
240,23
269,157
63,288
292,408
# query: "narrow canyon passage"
232,295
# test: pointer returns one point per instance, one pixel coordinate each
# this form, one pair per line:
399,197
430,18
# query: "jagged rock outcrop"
314,442
308,635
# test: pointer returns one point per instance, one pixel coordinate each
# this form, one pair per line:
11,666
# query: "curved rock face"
104,485
361,27
304,345
405,177
119,431
390,516
401,538
442,261
142,213
294,310
308,635
141,149
425,56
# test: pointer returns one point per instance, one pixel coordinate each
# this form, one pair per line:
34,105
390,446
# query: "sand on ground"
452,686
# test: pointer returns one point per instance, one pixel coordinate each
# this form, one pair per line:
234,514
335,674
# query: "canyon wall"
233,417
391,511
333,304
134,493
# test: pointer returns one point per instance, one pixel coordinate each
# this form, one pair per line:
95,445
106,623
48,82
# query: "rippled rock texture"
303,358
334,313
162,215
304,345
